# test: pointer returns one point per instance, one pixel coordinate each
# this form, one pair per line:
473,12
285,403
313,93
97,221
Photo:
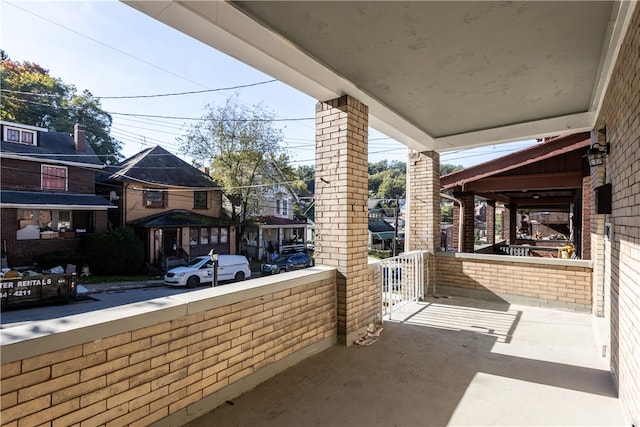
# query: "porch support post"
468,220
491,222
341,184
422,226
513,224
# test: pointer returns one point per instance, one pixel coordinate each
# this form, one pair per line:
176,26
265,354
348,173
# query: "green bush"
380,253
115,252
54,259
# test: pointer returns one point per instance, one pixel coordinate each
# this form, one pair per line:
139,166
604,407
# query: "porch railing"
402,280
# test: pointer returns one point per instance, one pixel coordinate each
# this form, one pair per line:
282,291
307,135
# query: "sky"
112,50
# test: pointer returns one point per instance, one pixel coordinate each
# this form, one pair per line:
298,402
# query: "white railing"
402,279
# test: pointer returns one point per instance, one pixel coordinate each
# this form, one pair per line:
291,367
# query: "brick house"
174,207
48,195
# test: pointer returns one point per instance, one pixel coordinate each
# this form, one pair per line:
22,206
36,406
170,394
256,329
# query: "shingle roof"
34,198
379,226
57,146
157,165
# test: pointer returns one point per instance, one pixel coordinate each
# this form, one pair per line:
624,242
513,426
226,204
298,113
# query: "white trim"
18,156
57,207
18,125
21,131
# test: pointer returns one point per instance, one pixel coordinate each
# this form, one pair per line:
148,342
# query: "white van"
199,270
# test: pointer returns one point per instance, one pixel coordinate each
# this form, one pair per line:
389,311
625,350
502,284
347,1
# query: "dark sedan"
287,263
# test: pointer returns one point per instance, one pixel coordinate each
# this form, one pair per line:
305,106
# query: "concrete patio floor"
456,362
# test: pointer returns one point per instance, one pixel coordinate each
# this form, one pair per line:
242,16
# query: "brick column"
468,220
491,221
341,184
456,227
422,229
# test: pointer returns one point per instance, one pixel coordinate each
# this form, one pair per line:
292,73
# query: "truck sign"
36,290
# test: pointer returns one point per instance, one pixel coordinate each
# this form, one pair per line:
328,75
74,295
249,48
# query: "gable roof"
552,147
158,166
53,147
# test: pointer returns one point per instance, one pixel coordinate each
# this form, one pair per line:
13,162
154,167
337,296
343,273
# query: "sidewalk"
96,288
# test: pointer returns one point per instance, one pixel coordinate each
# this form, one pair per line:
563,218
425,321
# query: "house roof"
158,166
178,218
42,200
544,176
55,147
379,227
269,220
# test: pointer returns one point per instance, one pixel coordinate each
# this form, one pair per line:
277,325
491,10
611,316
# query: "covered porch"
445,361
436,76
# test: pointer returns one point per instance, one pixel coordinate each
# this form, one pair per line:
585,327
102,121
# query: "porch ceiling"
435,75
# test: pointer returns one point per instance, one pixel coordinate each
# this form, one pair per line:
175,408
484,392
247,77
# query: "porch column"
513,224
341,183
491,222
422,226
468,220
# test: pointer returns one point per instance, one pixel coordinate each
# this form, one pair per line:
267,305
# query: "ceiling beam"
531,182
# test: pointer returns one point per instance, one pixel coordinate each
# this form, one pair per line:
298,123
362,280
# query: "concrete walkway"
445,362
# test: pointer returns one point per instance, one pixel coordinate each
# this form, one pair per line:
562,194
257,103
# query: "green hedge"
380,253
115,252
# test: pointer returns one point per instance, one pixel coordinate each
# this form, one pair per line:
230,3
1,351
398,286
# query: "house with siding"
175,208
47,199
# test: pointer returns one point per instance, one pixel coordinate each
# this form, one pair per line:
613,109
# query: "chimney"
78,137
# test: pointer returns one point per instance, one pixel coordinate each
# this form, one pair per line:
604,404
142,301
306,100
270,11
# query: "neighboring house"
48,195
264,236
382,226
175,208
270,227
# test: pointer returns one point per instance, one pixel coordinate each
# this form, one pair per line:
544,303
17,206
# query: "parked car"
230,267
287,263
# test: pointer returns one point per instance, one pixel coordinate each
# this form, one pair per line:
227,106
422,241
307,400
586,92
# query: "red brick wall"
26,176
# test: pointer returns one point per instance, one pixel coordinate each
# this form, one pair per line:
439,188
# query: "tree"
243,148
31,96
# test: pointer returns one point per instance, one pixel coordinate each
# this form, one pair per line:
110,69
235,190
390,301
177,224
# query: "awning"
43,200
178,218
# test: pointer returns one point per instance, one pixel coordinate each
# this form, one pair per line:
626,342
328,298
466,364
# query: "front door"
170,241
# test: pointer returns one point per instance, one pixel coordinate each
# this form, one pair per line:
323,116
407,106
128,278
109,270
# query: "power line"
106,45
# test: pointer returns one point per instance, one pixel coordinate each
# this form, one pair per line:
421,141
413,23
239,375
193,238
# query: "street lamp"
214,257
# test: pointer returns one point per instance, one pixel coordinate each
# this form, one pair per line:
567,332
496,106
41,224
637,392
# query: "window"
278,206
224,235
12,135
284,207
64,220
27,138
24,136
214,236
204,236
54,178
199,200
193,236
154,198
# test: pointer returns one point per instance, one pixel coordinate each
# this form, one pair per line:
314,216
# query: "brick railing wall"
167,360
545,281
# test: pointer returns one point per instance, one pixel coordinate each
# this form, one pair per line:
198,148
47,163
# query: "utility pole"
395,229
